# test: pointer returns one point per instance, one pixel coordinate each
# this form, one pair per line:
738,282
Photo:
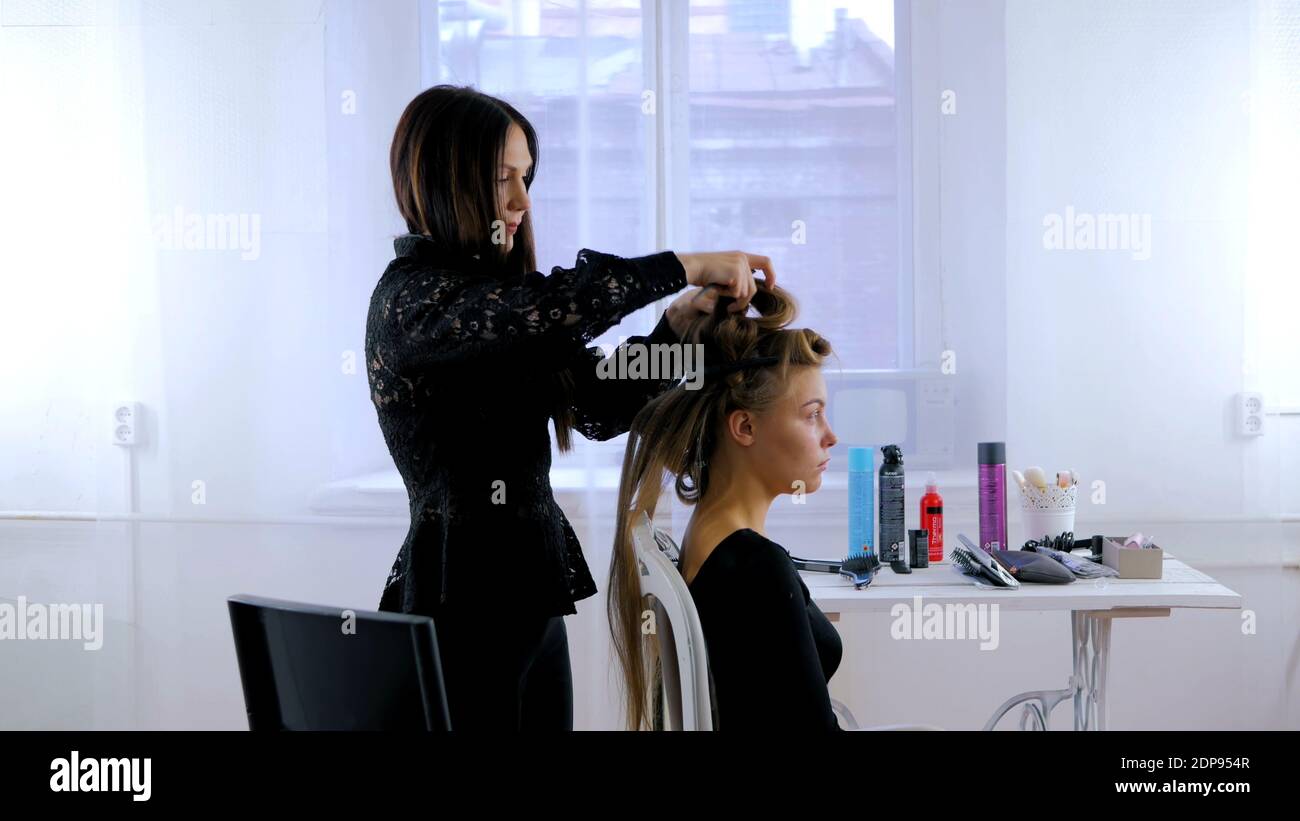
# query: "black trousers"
506,673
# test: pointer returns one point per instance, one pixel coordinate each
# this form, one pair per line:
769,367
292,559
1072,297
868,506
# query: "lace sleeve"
605,408
443,316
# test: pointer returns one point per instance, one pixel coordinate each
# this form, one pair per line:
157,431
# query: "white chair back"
682,653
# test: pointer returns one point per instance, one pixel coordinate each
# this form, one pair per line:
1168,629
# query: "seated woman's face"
793,439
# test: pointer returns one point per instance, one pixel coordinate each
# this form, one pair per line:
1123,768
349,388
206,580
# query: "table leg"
1090,632
1091,637
1038,704
1090,650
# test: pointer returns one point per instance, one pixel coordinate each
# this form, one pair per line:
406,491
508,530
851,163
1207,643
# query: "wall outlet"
1250,414
126,423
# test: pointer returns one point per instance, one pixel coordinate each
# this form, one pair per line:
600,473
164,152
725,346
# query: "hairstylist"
470,354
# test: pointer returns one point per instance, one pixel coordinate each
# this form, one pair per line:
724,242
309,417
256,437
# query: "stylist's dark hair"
446,153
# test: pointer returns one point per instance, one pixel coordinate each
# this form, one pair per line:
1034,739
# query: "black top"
772,651
461,368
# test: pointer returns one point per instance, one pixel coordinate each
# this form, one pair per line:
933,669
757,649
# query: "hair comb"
740,365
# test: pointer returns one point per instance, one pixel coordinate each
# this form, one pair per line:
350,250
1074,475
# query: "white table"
1093,604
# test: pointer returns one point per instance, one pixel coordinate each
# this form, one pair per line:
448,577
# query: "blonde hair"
676,433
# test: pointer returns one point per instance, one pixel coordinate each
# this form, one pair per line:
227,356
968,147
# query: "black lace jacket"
461,366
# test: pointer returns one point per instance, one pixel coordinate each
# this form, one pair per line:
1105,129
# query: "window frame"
665,54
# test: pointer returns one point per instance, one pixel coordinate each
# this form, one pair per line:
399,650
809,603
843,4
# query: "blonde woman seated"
756,429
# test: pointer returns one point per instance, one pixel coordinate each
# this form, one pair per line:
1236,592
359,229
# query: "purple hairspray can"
993,495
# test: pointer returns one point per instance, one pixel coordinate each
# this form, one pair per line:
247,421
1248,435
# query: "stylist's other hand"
689,306
730,272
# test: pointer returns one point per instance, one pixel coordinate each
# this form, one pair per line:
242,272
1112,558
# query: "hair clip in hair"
740,365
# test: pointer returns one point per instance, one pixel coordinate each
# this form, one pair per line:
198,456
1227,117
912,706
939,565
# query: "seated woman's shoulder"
763,555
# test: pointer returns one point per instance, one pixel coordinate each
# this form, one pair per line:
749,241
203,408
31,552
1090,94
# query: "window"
575,70
783,140
794,154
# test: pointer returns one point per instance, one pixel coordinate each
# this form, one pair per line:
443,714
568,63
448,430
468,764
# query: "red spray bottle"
932,517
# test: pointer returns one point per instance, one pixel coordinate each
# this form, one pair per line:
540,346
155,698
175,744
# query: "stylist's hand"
730,272
689,306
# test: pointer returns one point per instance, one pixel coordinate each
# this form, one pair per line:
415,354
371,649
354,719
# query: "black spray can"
918,546
893,537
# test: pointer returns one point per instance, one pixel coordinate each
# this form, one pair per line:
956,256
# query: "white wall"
1124,368
119,112
244,366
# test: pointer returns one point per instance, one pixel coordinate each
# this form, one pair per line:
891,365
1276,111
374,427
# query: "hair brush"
816,565
859,569
971,560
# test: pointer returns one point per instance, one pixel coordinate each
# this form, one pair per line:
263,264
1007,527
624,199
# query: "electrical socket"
1250,414
126,419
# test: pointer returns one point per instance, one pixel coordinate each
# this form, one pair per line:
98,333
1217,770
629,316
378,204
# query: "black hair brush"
816,565
971,560
860,569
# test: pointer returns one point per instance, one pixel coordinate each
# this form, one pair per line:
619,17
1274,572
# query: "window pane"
793,154
574,70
